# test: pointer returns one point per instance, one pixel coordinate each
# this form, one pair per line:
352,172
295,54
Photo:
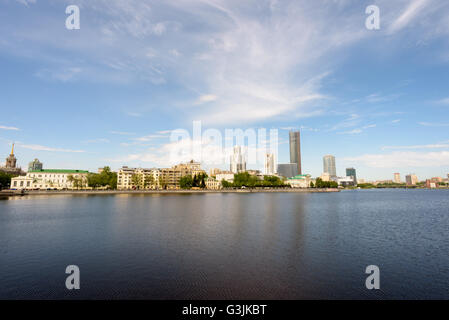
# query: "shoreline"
113,192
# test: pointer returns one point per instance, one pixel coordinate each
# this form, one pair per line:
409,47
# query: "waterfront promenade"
180,191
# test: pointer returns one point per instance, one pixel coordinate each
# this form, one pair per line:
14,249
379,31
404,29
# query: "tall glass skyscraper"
350,172
295,149
329,165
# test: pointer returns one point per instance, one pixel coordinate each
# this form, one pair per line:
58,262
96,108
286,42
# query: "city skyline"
111,92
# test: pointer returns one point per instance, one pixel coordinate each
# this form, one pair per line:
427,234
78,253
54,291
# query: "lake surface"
227,246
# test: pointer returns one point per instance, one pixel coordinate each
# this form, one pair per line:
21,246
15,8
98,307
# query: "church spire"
12,150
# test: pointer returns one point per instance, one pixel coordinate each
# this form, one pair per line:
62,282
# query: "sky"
112,92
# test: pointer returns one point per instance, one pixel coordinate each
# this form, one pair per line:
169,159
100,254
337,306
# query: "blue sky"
111,92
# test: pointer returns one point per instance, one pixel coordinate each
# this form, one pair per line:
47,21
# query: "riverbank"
108,192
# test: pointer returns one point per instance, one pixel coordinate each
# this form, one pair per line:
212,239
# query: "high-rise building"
238,163
287,170
411,179
295,149
270,164
35,165
329,165
350,172
397,178
11,160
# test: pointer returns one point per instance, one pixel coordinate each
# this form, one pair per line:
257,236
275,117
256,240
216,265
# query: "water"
227,246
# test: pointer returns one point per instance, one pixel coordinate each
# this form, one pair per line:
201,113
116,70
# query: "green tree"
186,182
148,181
136,180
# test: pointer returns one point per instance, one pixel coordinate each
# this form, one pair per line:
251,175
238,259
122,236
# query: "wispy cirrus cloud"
38,147
9,128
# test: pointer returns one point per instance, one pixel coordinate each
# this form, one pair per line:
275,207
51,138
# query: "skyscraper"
350,172
295,149
270,164
397,177
238,163
329,165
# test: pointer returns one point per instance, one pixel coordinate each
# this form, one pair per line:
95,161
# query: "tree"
162,182
148,181
186,182
106,178
5,179
136,180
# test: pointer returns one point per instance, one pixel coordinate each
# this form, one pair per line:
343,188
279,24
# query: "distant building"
329,165
437,179
35,165
51,179
238,163
325,176
431,184
397,177
214,171
11,164
411,179
299,181
295,149
229,177
287,170
146,178
213,184
350,172
345,181
270,164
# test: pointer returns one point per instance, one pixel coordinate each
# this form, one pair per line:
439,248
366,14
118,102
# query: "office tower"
329,165
35,165
295,149
270,164
397,178
287,170
350,172
411,179
238,163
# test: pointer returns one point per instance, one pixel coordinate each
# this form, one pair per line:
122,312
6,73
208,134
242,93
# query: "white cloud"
402,159
433,124
408,15
122,133
98,140
9,128
423,146
443,101
26,2
44,148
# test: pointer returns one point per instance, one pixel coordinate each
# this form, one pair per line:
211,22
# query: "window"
15,183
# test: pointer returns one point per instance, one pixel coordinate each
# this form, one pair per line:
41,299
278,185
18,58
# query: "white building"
238,162
51,179
299,181
146,178
329,165
213,184
397,178
229,177
270,164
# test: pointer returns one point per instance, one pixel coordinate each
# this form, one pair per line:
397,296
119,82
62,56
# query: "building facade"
51,179
35,165
295,149
138,178
329,165
229,177
11,164
411,179
154,178
238,162
351,172
213,184
287,170
270,164
299,181
397,177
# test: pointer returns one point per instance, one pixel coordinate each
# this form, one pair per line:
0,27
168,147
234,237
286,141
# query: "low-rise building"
51,179
299,181
229,177
213,184
346,181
